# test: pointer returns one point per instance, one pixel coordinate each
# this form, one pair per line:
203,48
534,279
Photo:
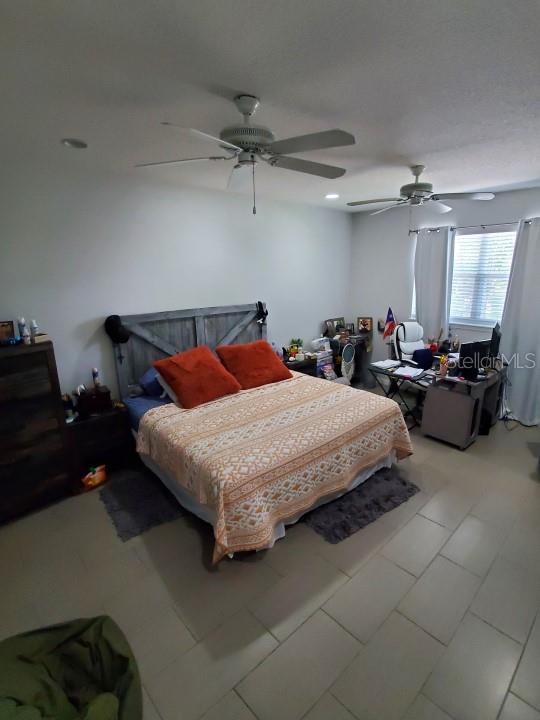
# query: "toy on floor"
97,476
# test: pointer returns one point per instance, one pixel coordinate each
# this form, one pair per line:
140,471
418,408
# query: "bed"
253,462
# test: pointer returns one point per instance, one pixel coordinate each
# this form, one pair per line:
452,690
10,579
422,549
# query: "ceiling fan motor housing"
422,191
254,138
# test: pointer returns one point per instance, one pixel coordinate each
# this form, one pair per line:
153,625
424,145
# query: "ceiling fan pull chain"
253,176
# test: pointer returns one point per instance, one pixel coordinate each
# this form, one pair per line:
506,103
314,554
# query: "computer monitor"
473,357
495,342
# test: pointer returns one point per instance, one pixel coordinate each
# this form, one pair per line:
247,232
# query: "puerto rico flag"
390,324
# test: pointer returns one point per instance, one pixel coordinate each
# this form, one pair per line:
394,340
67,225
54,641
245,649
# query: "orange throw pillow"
196,376
253,364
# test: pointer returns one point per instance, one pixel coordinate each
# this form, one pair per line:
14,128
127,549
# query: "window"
481,270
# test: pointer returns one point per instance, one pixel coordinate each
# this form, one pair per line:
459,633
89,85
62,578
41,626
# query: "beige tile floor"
430,613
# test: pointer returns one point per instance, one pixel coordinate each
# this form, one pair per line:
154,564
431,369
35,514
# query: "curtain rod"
468,227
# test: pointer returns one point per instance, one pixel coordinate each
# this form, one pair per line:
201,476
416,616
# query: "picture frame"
365,324
332,325
349,327
7,329
338,322
329,328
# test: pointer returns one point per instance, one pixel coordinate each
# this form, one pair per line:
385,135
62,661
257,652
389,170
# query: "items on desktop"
475,358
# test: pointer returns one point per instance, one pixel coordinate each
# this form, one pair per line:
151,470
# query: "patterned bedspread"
268,455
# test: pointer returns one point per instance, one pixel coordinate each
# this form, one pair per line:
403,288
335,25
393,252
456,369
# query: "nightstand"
103,439
308,367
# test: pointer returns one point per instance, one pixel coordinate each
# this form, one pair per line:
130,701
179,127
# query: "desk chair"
407,338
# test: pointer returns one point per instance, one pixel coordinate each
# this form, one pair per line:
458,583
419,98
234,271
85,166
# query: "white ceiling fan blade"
313,141
205,136
439,207
464,196
371,202
378,212
184,160
307,166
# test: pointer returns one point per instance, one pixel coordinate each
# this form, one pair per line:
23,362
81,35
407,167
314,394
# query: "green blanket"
80,670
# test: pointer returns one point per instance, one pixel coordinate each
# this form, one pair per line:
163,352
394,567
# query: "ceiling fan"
246,145
420,193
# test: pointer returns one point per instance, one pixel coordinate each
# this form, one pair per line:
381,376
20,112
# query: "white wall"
78,245
383,253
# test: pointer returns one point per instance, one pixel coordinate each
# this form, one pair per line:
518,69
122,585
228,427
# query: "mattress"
138,406
263,457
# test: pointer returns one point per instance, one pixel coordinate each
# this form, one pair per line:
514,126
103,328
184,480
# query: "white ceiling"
452,84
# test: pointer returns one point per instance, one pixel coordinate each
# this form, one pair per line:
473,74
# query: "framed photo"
349,327
365,324
333,325
7,329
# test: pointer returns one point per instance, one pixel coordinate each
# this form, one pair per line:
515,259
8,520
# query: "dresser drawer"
32,487
22,415
24,377
31,435
32,384
39,452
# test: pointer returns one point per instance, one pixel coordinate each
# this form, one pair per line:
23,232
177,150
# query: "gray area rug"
137,500
344,516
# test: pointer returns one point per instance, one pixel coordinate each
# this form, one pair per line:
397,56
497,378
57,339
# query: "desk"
454,408
449,408
421,382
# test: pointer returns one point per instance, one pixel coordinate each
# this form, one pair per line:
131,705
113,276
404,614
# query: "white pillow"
167,389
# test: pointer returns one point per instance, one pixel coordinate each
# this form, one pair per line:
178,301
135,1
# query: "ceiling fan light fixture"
74,143
331,196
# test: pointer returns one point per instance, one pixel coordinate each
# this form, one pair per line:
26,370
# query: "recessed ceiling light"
74,143
332,196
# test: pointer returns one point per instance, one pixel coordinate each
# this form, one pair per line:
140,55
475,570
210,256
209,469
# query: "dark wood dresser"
33,459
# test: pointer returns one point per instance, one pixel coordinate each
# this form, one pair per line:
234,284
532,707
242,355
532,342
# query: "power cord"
507,419
510,422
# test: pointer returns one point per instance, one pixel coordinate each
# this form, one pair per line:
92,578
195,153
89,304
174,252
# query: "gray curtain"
521,327
432,263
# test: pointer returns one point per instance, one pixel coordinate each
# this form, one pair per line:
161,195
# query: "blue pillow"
150,384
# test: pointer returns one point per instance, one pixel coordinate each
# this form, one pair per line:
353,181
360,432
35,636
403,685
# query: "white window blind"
480,274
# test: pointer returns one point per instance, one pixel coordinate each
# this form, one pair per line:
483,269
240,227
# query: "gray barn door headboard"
158,335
